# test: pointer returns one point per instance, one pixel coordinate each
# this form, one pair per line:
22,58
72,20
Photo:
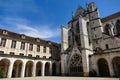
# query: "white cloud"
22,26
40,31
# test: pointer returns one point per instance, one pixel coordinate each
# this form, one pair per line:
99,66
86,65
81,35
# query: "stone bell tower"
95,25
75,47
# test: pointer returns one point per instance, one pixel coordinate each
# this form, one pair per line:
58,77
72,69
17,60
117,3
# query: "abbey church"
90,46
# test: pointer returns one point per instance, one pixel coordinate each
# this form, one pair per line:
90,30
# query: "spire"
79,11
73,15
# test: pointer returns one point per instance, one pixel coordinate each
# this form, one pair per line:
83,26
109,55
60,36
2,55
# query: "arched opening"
38,68
116,66
107,29
4,65
17,68
118,27
28,69
47,69
54,69
76,67
103,68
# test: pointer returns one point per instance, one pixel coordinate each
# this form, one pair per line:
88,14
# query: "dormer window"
38,40
23,36
49,43
5,32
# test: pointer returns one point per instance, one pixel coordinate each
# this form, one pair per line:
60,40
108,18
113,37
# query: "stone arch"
107,29
28,69
103,68
47,69
17,68
4,66
116,66
39,68
54,67
118,27
76,67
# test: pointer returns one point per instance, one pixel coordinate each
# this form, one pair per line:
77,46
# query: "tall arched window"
77,35
103,68
118,27
76,65
77,28
107,29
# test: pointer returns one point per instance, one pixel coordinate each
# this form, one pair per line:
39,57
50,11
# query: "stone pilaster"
23,69
10,69
110,67
43,68
34,69
50,69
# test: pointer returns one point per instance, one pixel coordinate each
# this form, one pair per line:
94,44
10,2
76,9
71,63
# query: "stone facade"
24,56
92,45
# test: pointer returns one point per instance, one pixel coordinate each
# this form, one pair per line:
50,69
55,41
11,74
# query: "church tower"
75,56
95,25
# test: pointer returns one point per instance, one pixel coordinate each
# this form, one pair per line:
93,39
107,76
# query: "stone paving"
61,78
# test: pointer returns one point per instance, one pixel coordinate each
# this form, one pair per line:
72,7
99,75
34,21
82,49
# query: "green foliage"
1,74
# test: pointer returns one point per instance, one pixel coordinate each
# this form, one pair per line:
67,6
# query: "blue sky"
43,18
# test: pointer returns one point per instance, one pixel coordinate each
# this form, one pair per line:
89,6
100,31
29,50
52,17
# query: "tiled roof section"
16,36
110,17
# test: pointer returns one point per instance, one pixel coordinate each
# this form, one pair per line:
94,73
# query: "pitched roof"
28,39
110,17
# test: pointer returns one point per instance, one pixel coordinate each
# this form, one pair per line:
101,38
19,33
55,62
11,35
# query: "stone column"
50,69
43,69
110,67
34,69
10,68
23,69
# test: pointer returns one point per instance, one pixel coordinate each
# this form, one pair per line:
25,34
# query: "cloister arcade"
17,67
106,66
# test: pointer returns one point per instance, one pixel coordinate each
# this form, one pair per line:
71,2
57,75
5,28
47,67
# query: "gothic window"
13,45
77,28
107,29
118,27
3,42
77,36
76,64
